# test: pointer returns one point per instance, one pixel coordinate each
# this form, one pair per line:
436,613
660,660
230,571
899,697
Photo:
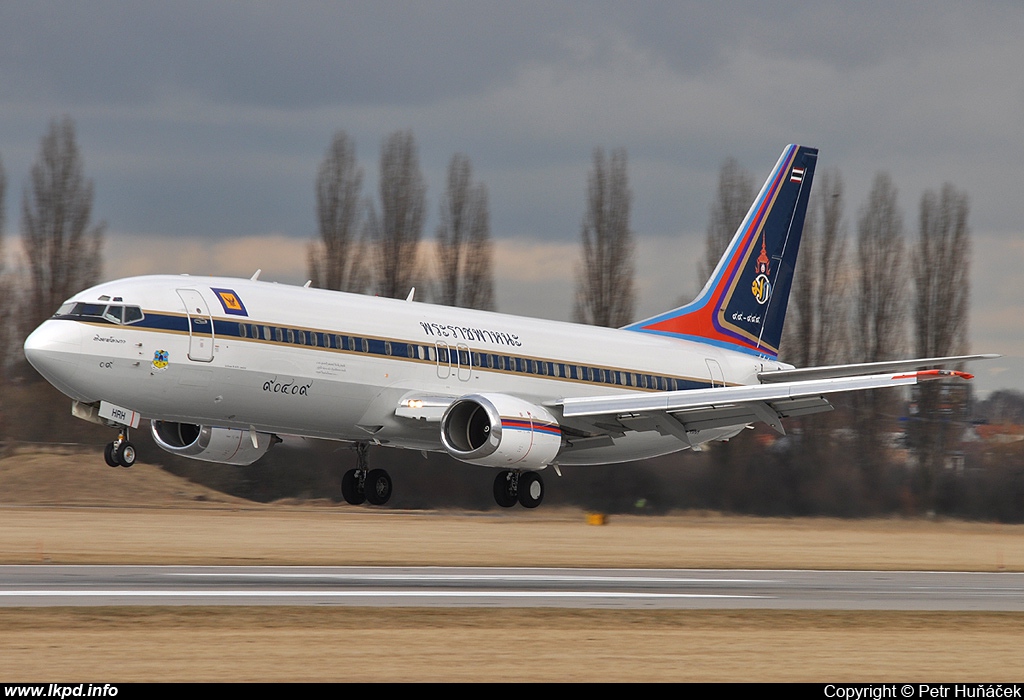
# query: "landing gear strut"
526,488
363,484
120,452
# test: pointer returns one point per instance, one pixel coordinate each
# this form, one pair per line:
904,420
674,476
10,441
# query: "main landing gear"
526,488
120,452
363,484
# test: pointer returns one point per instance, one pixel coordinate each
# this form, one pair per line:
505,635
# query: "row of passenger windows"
459,357
114,313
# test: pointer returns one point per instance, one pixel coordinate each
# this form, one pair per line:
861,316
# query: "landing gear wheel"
126,454
531,489
377,487
109,457
351,489
504,489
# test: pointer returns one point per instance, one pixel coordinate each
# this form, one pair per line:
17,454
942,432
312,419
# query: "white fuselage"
300,361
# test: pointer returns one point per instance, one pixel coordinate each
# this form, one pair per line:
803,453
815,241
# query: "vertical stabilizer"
743,305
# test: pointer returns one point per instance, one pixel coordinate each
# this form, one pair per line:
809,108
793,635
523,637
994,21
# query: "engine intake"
496,430
202,442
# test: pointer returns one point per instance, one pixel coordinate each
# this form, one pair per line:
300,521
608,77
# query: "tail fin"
743,305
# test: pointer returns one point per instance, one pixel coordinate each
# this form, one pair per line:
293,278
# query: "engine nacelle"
224,445
496,430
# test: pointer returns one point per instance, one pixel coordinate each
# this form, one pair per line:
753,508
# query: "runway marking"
480,577
356,594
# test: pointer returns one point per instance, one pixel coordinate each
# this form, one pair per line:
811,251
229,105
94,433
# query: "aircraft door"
464,359
444,360
715,370
200,326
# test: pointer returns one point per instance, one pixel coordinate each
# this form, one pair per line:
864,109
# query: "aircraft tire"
109,457
503,495
531,489
126,454
350,489
378,487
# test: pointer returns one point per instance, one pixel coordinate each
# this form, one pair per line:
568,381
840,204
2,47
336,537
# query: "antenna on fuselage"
412,293
256,275
306,285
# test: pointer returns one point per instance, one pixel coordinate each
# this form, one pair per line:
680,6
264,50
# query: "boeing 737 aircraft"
221,367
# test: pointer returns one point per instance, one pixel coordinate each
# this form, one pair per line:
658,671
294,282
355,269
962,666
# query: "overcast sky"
202,124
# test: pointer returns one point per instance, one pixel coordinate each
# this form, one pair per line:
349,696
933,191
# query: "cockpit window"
111,313
89,310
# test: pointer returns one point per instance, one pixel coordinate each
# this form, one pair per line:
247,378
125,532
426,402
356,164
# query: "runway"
56,585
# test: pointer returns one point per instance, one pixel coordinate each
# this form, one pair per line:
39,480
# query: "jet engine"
496,430
224,445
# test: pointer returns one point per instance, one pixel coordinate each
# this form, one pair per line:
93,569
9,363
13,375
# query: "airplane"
223,367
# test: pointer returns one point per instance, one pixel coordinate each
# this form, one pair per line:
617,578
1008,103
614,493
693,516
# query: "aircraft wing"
788,375
595,420
683,412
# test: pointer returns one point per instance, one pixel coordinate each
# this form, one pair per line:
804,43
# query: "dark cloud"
208,120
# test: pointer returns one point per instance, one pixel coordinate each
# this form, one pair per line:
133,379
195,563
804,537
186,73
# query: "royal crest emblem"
161,358
761,287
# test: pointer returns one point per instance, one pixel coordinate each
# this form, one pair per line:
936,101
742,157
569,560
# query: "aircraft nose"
53,349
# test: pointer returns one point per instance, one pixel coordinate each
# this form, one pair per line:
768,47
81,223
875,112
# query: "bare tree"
942,282
396,230
879,329
336,260
880,313
63,250
732,201
604,280
464,241
816,321
941,265
5,286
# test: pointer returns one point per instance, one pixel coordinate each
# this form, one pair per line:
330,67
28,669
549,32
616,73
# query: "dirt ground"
104,645
51,513
361,536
